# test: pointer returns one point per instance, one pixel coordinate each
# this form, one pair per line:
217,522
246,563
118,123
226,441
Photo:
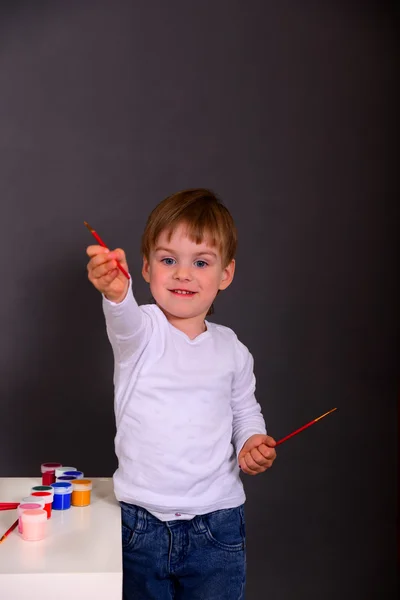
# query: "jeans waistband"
144,517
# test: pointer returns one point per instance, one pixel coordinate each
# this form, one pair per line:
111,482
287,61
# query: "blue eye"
200,263
168,261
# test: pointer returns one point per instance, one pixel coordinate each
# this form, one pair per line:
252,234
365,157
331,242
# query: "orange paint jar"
81,492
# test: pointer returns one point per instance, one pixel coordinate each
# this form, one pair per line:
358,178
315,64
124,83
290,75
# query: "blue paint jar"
66,478
62,495
75,474
61,470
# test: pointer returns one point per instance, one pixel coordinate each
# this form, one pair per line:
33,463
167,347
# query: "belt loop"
141,519
199,525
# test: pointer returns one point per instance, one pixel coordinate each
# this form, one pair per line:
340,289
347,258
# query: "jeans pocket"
130,519
226,528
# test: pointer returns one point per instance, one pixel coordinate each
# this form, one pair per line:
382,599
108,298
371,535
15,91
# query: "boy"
186,415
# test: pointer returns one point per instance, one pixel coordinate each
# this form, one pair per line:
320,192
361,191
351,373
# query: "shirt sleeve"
247,417
128,327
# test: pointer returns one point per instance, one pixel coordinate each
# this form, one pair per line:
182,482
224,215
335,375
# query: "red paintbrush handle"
294,433
98,238
8,505
305,426
7,533
121,268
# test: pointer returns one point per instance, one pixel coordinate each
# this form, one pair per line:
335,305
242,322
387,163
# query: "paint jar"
62,495
48,500
66,477
49,472
74,474
34,499
33,524
81,490
43,488
61,470
27,506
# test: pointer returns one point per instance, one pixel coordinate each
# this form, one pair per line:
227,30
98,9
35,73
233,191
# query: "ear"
146,269
227,275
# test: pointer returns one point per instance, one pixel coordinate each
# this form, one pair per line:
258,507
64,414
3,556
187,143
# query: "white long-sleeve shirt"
183,408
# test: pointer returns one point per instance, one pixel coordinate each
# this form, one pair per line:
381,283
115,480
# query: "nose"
182,273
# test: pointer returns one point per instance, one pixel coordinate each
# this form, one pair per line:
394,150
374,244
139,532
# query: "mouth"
183,293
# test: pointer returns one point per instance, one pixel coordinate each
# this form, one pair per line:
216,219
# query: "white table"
81,557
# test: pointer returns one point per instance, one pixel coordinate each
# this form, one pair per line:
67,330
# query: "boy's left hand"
257,454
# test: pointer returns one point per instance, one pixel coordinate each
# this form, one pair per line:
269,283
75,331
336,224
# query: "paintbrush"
8,505
7,533
100,241
304,427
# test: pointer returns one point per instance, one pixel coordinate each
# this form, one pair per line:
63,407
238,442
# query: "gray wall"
284,109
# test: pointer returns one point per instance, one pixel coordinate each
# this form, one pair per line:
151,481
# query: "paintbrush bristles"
326,414
88,226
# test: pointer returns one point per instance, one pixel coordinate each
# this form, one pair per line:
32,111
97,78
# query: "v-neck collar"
195,340
181,333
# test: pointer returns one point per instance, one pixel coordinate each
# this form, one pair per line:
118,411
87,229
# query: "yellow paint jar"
81,491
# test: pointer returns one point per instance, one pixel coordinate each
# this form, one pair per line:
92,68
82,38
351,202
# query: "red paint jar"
49,472
48,501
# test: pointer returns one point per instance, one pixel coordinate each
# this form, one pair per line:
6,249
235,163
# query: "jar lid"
42,488
29,505
62,487
34,515
66,477
81,485
35,499
50,466
61,470
47,496
74,474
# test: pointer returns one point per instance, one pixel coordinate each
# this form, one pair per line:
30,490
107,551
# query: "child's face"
185,277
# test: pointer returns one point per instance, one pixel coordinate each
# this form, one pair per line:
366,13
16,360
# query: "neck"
192,327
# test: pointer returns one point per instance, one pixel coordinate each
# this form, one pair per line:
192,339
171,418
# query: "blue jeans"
201,559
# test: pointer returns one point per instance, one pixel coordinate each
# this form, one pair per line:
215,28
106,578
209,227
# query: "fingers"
103,261
257,457
119,255
95,249
104,273
267,452
98,259
269,441
110,276
257,460
99,254
98,270
250,466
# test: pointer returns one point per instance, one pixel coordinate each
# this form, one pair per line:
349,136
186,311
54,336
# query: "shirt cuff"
242,439
124,301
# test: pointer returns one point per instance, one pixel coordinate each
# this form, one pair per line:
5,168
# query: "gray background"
286,110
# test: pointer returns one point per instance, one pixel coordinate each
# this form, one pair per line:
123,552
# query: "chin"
182,314
179,314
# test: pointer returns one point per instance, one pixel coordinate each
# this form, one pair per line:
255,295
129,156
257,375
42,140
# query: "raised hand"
104,274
